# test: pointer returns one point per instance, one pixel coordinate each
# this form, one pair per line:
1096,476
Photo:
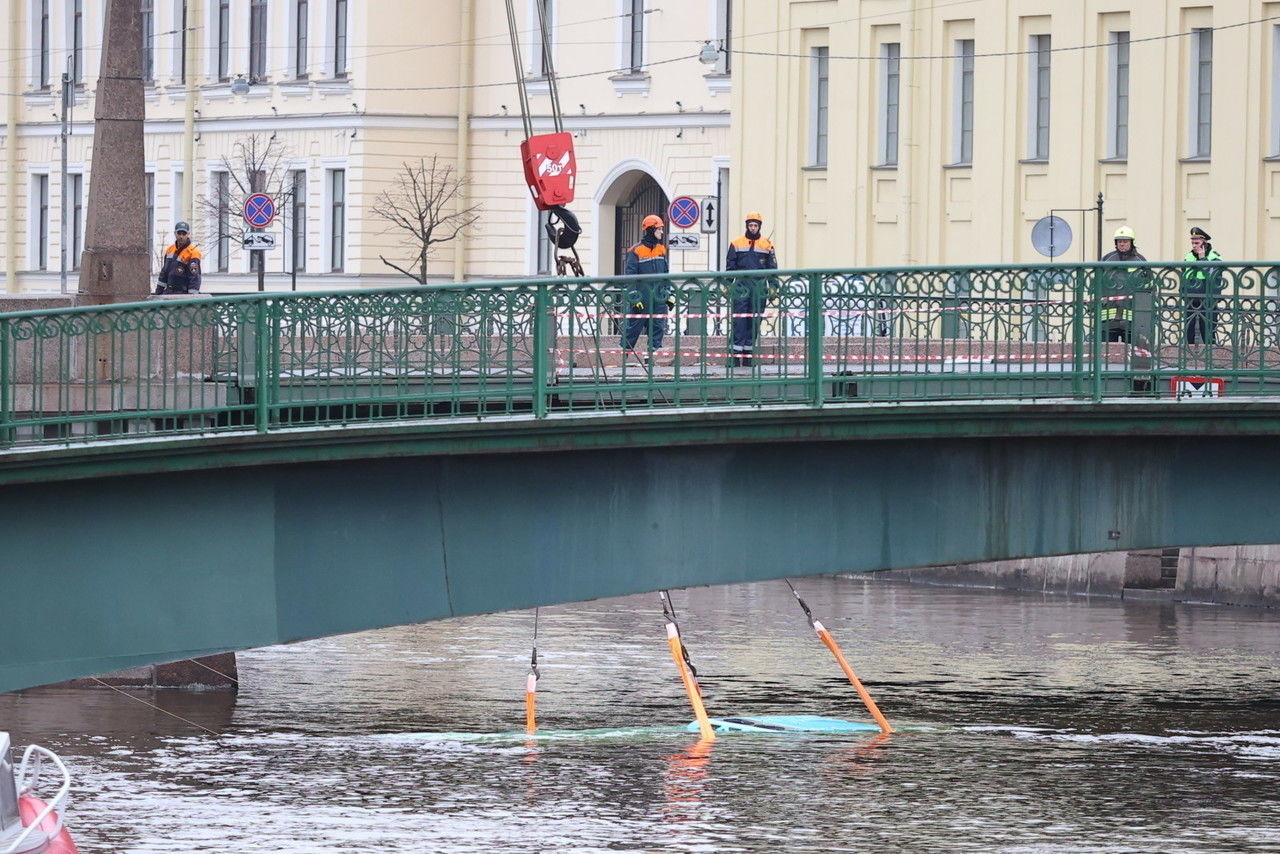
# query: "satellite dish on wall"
1051,236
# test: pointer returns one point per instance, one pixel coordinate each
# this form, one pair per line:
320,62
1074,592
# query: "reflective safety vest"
1196,280
1118,303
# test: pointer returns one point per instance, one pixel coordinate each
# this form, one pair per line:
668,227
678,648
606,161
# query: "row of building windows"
1039,87
299,66
221,235
632,13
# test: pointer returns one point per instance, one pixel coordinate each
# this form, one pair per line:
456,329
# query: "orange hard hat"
652,221
755,215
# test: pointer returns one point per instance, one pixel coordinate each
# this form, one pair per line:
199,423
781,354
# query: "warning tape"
801,312
846,357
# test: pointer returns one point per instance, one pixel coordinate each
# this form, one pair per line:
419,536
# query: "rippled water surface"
1032,724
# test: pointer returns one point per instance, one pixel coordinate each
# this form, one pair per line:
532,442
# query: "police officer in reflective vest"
1117,308
180,270
647,301
1201,283
751,251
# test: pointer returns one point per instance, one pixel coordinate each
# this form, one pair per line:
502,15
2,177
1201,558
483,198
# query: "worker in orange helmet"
750,294
647,300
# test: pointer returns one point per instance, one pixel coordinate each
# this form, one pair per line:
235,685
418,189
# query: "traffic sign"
258,240
684,240
684,211
710,215
259,210
1197,386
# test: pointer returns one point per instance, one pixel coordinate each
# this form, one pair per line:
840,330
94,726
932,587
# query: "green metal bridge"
184,477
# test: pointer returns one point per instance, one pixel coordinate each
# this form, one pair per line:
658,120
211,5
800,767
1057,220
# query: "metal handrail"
274,361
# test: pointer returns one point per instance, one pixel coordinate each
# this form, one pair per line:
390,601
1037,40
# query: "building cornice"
393,121
608,121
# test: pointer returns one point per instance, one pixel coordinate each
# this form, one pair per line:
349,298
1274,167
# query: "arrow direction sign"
710,215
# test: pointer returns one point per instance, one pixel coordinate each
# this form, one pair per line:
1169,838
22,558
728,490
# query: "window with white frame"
44,48
75,190
40,217
1038,114
544,257
149,188
1275,91
298,218
340,38
1201,131
301,41
180,61
635,36
257,40
178,196
222,213
223,27
1118,102
538,59
962,119
149,40
337,219
819,85
890,102
77,41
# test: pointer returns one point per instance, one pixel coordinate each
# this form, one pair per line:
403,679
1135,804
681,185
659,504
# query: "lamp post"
68,104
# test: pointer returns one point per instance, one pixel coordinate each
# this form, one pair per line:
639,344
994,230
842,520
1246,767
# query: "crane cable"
688,675
830,643
531,684
515,55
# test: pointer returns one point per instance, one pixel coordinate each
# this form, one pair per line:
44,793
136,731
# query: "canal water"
1029,725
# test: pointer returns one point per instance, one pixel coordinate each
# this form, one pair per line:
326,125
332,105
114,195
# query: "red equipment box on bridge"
549,168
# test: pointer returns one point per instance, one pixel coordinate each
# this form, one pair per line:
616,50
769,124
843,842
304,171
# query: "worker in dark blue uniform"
647,300
751,251
180,271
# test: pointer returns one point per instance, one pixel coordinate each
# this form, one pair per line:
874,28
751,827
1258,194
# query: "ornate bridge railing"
274,361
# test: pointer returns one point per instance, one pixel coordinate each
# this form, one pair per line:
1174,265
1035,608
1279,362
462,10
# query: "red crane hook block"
550,169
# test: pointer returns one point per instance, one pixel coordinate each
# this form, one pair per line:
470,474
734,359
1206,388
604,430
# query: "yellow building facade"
346,93
908,132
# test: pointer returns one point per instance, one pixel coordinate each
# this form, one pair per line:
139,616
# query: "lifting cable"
688,674
830,643
531,684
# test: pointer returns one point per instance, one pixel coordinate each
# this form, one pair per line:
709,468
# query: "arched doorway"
628,200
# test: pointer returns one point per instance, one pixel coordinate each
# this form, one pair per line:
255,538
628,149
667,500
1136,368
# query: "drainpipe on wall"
467,30
11,160
915,229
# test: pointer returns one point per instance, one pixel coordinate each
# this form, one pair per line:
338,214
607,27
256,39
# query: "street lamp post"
68,104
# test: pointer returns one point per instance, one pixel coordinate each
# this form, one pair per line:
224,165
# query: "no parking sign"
684,211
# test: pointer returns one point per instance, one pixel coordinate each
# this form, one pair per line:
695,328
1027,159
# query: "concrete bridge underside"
155,551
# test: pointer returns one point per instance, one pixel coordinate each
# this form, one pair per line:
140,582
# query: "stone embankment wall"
1228,575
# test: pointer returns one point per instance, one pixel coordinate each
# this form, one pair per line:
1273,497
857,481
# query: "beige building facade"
346,93
901,132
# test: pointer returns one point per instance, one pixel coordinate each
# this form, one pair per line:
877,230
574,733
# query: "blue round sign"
259,210
684,212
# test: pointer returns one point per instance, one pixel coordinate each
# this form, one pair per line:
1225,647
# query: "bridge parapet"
273,361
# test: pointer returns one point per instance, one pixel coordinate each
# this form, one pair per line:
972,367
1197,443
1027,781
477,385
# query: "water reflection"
1030,723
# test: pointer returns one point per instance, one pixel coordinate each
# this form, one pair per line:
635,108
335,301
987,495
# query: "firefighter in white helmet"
1118,288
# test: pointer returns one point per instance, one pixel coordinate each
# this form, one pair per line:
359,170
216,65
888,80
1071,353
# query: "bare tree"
424,203
256,165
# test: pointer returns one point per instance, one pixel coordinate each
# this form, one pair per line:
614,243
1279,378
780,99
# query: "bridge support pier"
209,672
